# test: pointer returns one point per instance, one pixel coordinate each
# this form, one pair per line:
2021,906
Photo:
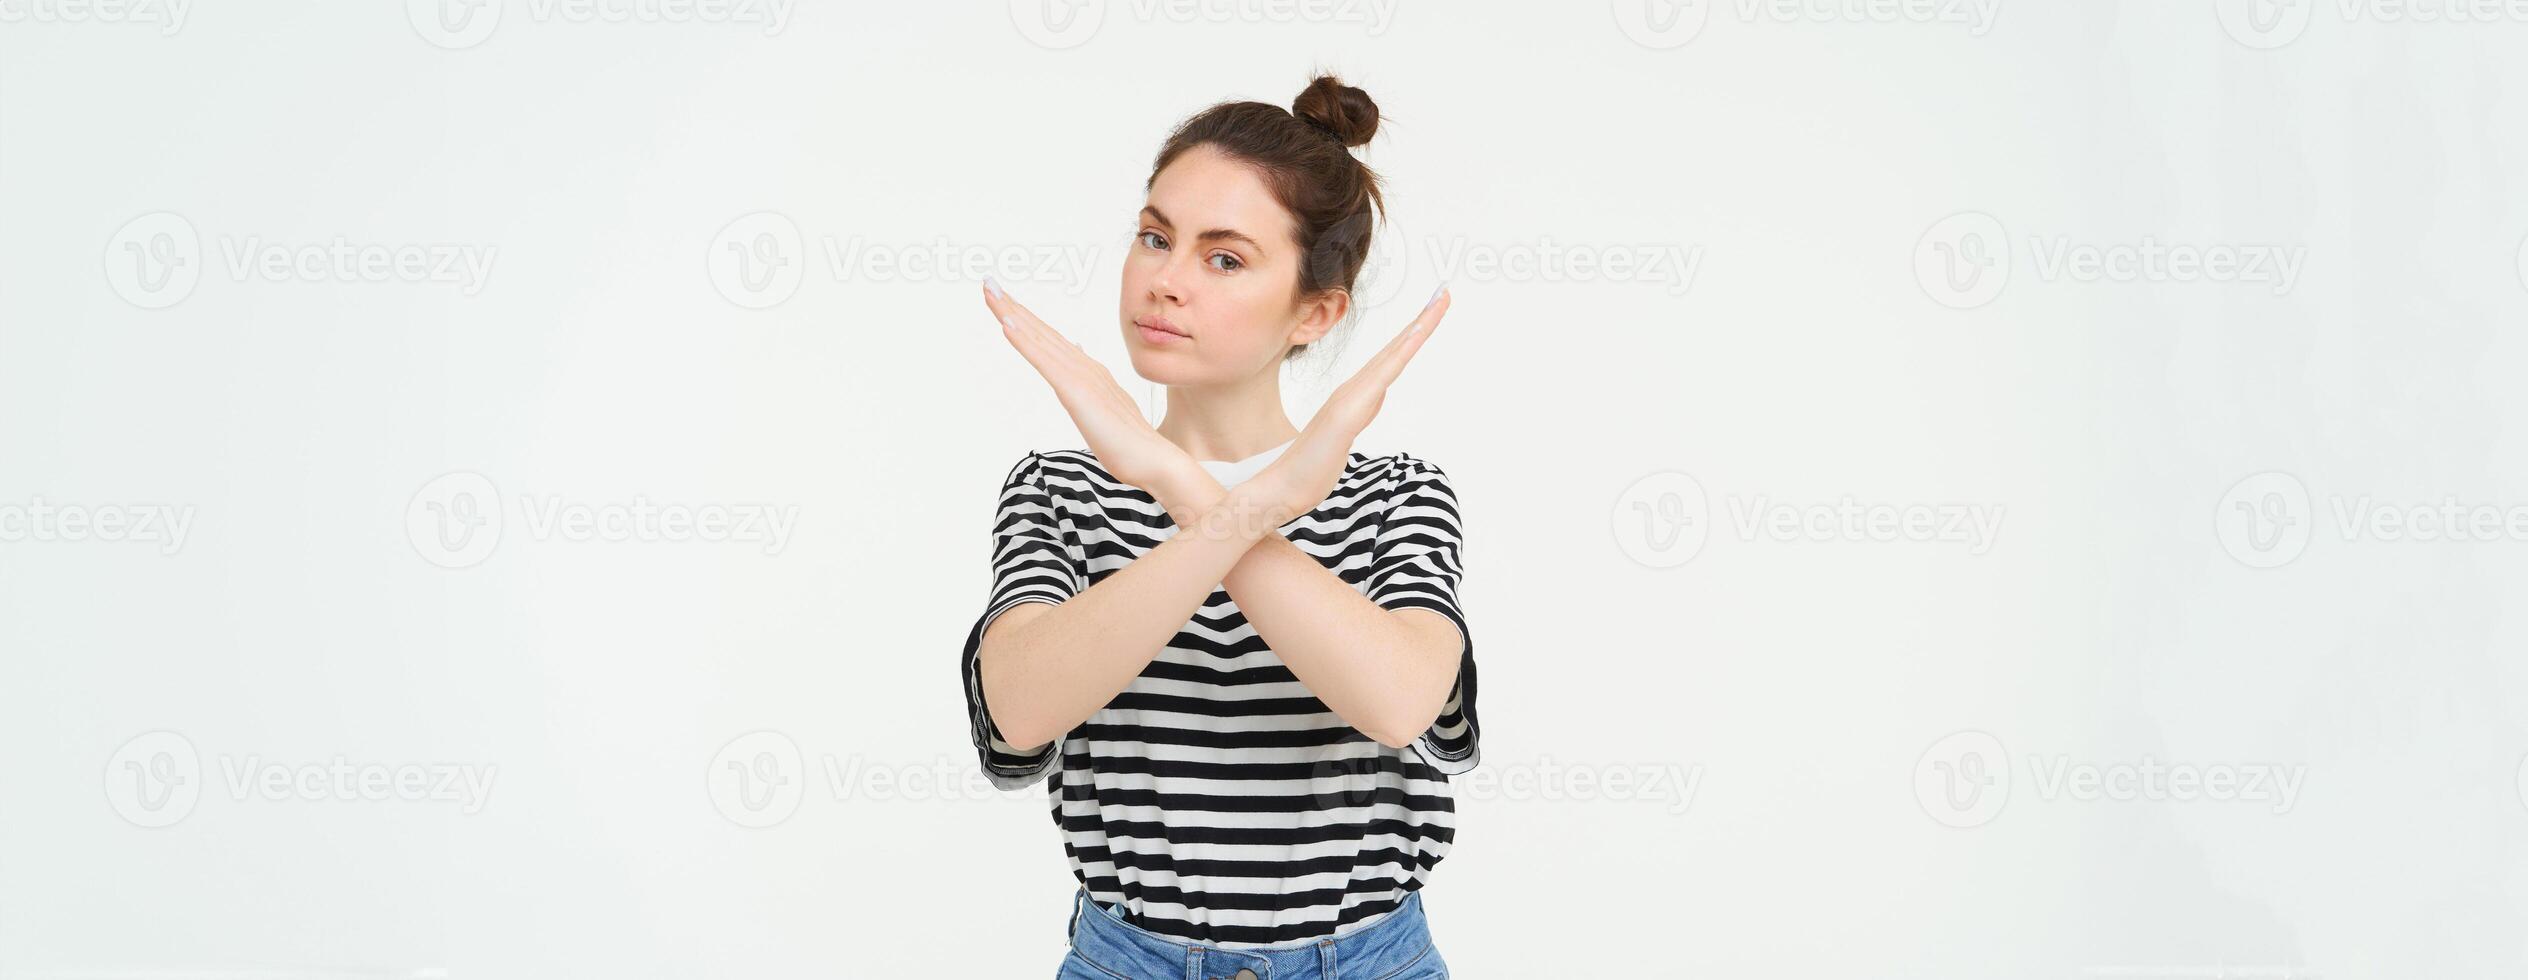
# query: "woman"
1231,646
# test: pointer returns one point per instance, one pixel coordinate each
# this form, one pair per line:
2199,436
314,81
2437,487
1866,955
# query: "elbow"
1010,717
1023,735
1026,742
1399,725
1398,735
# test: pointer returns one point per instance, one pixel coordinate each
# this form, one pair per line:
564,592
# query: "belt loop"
1326,959
1193,962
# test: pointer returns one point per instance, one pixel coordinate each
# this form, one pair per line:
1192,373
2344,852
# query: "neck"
1226,424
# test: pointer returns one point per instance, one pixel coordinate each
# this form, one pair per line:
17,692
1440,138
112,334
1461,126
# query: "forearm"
1046,668
1385,672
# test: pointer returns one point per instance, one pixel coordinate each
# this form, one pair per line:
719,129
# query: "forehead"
1204,188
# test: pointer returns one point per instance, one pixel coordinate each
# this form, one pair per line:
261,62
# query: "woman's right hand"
1301,477
1126,445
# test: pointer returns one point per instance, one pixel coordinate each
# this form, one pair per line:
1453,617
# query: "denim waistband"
1099,934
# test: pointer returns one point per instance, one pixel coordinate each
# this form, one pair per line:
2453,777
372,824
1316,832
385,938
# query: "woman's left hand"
1108,419
1301,477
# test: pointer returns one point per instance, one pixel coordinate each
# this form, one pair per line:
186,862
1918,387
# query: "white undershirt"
1230,473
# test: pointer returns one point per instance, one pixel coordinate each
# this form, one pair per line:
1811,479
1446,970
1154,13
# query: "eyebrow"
1212,235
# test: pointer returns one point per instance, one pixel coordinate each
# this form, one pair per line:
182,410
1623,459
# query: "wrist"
1241,513
1187,491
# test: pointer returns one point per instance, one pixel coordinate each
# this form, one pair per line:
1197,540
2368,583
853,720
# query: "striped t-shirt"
1215,800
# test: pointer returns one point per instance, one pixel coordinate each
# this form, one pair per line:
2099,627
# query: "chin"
1159,368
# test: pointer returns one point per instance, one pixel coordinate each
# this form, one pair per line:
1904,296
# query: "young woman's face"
1211,281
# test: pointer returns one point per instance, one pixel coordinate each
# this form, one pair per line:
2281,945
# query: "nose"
1163,283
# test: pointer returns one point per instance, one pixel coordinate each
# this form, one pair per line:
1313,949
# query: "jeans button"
1244,975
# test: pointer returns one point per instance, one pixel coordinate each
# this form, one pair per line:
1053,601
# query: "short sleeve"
1418,563
1030,563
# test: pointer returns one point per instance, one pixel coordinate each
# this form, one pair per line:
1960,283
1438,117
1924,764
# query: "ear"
1317,317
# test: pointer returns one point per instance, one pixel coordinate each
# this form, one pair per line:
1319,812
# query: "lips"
1158,324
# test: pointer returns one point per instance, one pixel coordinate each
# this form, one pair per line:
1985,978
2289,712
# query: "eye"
1145,239
1233,266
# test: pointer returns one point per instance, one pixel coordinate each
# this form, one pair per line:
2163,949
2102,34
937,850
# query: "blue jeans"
1105,947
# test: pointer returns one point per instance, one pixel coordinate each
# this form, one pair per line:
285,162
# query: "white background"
2143,602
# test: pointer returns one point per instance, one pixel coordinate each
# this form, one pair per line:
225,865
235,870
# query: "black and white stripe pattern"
1215,800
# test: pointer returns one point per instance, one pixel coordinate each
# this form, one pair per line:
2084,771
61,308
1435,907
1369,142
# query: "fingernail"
1004,322
993,288
1435,296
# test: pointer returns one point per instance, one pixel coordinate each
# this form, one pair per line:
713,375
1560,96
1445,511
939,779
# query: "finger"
1053,354
1065,363
1389,362
1030,344
1014,316
1410,338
